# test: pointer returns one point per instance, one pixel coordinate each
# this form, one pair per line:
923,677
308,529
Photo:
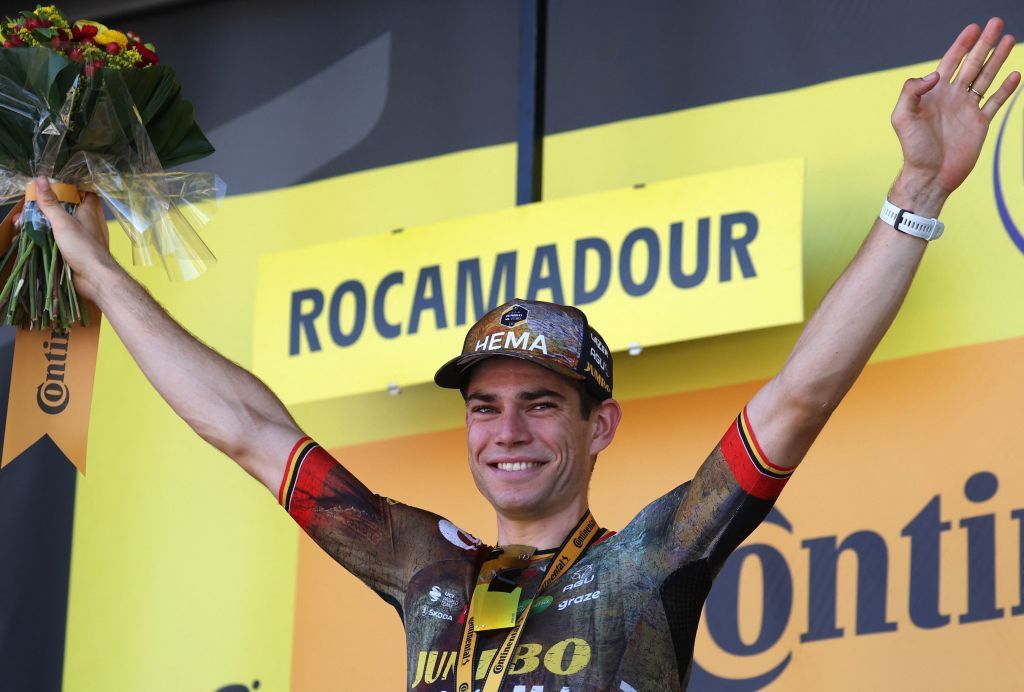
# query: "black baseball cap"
558,337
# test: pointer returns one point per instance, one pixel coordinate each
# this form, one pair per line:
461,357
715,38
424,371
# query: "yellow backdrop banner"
688,258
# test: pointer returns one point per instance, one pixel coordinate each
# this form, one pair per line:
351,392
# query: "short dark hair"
588,402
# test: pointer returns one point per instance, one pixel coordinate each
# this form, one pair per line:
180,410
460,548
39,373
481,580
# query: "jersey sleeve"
380,541
704,520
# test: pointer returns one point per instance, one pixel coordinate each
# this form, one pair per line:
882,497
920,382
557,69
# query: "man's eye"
483,409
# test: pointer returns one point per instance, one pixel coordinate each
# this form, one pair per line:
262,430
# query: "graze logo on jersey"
514,315
1000,186
926,561
582,598
564,658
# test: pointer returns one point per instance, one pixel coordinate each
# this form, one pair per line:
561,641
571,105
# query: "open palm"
940,120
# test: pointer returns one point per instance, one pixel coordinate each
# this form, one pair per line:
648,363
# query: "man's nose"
513,428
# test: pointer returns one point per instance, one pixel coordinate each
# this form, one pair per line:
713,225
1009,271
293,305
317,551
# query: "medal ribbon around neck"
578,540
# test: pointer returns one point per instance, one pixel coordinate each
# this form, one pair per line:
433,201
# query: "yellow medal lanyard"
578,540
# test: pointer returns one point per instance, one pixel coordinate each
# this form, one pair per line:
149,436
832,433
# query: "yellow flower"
111,36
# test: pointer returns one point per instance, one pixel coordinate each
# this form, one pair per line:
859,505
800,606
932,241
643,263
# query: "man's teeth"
517,465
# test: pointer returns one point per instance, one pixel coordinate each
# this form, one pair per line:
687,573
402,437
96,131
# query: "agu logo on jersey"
999,185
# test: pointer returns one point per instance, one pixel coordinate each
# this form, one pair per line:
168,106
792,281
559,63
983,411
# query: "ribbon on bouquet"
52,374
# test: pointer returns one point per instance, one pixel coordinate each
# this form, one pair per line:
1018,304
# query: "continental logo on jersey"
566,657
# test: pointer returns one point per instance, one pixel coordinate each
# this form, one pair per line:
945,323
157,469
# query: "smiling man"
560,604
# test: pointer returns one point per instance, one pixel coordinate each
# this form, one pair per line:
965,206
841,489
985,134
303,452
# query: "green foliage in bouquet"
74,99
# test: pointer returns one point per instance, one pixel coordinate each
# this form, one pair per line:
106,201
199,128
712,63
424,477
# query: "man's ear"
607,417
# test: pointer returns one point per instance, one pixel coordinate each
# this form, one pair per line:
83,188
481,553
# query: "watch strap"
910,223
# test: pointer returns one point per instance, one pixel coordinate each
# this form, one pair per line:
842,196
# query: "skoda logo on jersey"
1012,229
514,315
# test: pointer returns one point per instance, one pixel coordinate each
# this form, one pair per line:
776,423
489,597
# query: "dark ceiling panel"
612,60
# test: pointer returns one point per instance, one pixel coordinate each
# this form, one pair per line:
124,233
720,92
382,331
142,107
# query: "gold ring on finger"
975,91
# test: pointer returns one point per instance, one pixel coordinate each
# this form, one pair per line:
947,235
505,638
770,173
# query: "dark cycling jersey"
623,618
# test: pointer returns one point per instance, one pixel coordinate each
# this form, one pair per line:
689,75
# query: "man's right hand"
226,406
83,239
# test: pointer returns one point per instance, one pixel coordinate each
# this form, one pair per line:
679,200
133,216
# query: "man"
565,605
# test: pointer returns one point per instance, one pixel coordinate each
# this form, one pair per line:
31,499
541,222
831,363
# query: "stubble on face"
529,448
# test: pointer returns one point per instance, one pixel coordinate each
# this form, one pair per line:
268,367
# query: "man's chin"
517,507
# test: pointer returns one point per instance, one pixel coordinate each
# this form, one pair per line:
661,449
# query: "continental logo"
581,539
924,555
53,395
567,657
503,654
467,645
556,571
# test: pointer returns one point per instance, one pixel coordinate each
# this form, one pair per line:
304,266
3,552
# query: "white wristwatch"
911,223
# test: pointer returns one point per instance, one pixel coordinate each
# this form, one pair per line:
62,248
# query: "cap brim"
452,375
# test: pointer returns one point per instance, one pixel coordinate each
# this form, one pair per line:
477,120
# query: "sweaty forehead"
505,372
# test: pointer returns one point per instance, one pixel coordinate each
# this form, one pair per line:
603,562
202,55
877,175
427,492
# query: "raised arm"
941,122
226,405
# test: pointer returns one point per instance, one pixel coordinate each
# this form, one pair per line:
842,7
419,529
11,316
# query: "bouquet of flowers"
92,109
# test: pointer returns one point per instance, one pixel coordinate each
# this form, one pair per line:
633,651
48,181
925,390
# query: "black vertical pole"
530,131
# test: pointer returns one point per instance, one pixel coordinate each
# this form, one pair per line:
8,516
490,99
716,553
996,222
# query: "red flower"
90,68
16,41
32,23
148,56
75,54
113,48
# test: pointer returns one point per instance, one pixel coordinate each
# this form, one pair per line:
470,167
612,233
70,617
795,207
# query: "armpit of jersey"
749,464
